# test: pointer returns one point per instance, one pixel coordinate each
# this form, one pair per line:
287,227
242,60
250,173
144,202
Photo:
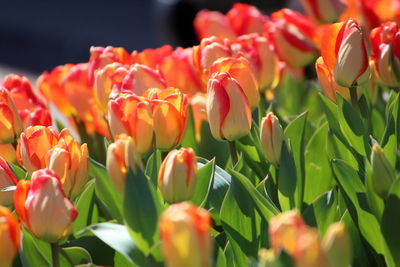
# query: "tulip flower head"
324,11
212,23
185,235
43,208
271,138
245,19
228,108
9,237
7,179
383,174
10,121
177,176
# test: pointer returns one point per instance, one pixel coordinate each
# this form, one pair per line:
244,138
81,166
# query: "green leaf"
117,237
76,255
287,181
378,125
220,260
153,166
87,211
34,251
374,200
141,208
17,170
205,177
209,147
265,207
319,177
105,190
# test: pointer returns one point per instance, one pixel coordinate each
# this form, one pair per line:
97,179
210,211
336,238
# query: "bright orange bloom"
185,235
308,249
212,23
177,175
10,121
245,19
7,179
228,108
324,11
152,57
363,13
9,237
36,116
239,68
122,155
43,208
132,115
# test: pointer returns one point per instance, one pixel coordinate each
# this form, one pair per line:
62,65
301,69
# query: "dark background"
39,35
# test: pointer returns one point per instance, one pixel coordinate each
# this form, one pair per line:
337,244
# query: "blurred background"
39,35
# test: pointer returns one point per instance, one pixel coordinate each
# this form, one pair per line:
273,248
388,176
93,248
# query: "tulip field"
272,142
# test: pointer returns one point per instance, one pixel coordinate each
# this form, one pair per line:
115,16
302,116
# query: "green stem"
232,150
353,96
55,257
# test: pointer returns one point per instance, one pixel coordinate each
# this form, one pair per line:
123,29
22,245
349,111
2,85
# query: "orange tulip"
33,146
272,137
228,108
213,23
245,19
363,12
132,115
308,249
324,11
7,179
43,208
9,237
152,57
170,113
177,176
36,116
70,162
385,44
239,69
10,121
122,155
185,235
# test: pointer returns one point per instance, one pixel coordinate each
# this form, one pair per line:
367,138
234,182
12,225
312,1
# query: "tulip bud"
324,11
140,78
170,114
43,208
352,64
284,229
132,115
33,146
337,245
7,179
383,174
245,19
70,161
228,108
10,121
177,176
240,70
122,155
271,138
9,237
308,249
212,23
385,44
185,235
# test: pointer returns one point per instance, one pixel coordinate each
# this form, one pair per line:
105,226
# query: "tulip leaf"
318,175
117,237
220,260
76,255
153,166
204,182
105,191
355,197
141,209
209,147
121,261
375,202
378,124
87,210
9,188
287,180
391,221
34,251
17,170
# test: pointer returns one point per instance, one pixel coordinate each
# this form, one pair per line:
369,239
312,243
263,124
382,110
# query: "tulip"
10,121
170,114
213,23
70,161
293,36
308,250
228,108
186,236
383,174
43,208
198,103
385,44
245,19
140,78
271,138
240,70
363,12
8,152
284,229
337,245
177,176
262,57
152,57
324,11
327,82
9,237
122,155
33,146
7,179
37,116
132,115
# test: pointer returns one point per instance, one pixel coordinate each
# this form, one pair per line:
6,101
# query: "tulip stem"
353,95
232,150
55,255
